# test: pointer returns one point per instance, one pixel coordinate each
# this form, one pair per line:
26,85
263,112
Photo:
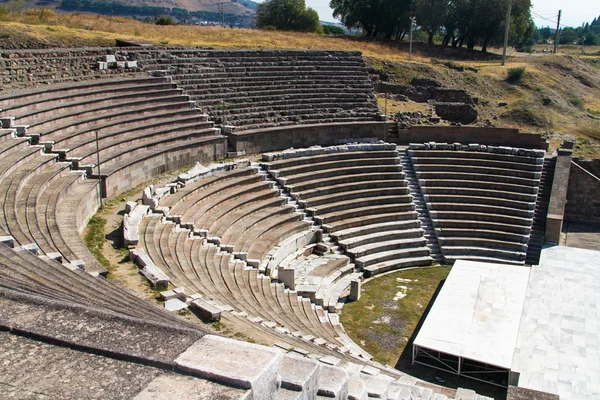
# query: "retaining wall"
300,136
479,135
583,195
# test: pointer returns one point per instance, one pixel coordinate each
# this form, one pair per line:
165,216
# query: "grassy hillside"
556,94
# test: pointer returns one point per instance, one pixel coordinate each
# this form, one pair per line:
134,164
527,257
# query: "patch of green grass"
94,238
218,325
576,102
51,28
382,326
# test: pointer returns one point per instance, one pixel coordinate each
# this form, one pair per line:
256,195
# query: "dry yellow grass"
87,26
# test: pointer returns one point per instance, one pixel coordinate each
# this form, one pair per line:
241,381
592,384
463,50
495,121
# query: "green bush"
165,21
332,30
576,102
4,10
516,74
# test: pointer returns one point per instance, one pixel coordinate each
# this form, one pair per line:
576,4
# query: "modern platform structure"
267,244
532,327
472,328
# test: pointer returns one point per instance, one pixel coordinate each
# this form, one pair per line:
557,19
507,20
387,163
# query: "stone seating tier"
477,191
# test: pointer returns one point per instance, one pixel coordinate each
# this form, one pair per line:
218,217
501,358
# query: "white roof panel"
477,313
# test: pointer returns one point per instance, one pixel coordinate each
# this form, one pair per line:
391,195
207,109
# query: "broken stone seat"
54,100
260,247
147,159
31,99
323,114
62,121
46,276
254,103
76,106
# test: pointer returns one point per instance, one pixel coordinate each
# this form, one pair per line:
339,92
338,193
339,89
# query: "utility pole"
412,26
583,46
221,7
557,35
506,32
99,176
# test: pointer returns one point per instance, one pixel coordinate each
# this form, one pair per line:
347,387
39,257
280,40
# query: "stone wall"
161,163
583,195
466,135
299,136
87,208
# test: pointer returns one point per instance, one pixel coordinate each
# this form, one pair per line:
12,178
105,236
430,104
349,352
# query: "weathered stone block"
206,310
238,364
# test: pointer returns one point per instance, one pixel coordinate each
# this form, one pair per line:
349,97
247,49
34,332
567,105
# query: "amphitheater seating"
481,203
237,213
254,89
49,142
362,200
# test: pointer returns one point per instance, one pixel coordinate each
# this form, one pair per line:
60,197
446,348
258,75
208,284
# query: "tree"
431,16
289,15
568,36
333,30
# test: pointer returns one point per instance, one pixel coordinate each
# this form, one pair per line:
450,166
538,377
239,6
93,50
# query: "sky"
575,12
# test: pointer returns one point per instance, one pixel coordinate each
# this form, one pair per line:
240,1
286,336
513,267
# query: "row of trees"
587,34
459,22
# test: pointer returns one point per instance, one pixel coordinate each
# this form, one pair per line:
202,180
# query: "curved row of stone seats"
64,121
238,210
203,268
480,202
24,272
361,198
257,89
170,133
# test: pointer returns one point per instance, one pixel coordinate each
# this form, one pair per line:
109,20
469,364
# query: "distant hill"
237,7
238,13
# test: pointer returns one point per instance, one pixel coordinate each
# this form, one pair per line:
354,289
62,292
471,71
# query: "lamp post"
412,26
